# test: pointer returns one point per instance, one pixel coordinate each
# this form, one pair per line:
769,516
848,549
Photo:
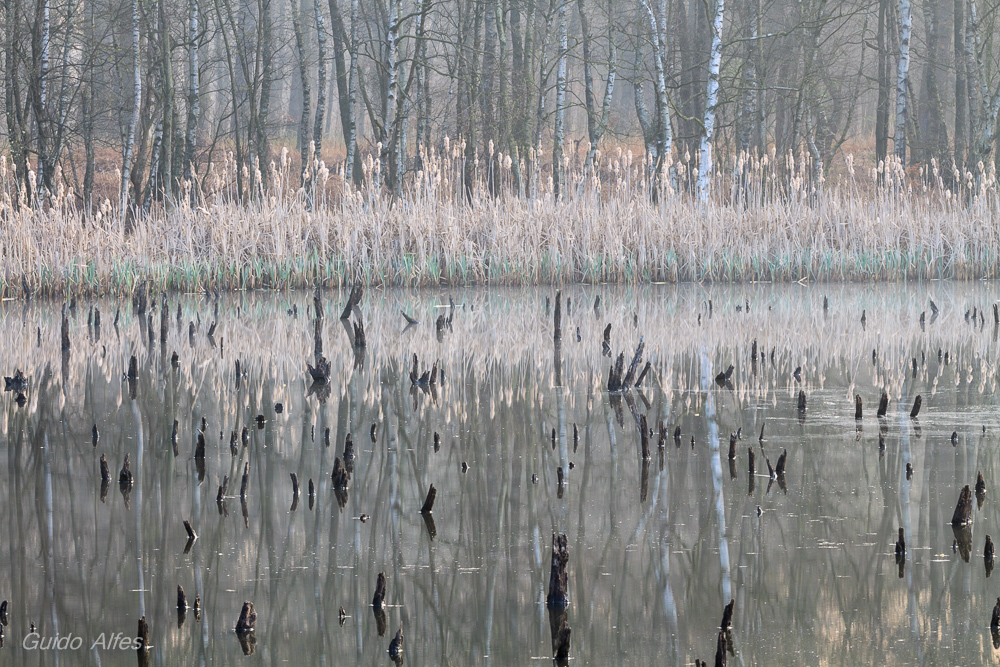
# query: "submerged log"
247,619
378,600
963,510
428,505
916,407
558,577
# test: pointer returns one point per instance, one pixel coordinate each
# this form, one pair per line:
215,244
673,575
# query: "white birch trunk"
352,140
902,77
321,81
715,59
664,135
558,134
392,88
137,101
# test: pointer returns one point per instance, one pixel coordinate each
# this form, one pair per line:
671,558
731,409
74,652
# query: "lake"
656,547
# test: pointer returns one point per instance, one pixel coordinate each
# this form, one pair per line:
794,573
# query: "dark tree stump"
644,437
857,407
378,600
963,510
125,475
143,636
247,619
995,619
720,649
428,505
727,616
396,645
883,404
558,577
916,407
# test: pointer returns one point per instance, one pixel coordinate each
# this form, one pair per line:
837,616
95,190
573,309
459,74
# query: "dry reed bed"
607,230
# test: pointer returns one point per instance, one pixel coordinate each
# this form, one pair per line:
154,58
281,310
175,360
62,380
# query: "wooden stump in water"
883,405
720,649
779,469
143,636
751,457
558,577
428,505
727,616
378,600
247,619
901,546
732,446
802,400
963,510
857,407
995,619
181,598
105,470
916,407
396,645
3,613
190,531
988,555
125,475
245,483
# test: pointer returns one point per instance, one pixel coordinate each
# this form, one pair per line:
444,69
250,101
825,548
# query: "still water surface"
656,549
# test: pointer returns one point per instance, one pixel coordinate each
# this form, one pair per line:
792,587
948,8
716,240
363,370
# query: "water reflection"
658,542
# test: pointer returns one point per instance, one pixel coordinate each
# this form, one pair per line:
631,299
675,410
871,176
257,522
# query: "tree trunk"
134,122
961,90
559,130
902,79
882,106
302,141
194,95
320,81
711,98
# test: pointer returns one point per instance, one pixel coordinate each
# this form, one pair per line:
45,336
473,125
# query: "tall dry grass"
769,218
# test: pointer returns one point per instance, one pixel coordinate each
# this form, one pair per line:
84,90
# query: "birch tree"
712,96
902,79
136,105
558,173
